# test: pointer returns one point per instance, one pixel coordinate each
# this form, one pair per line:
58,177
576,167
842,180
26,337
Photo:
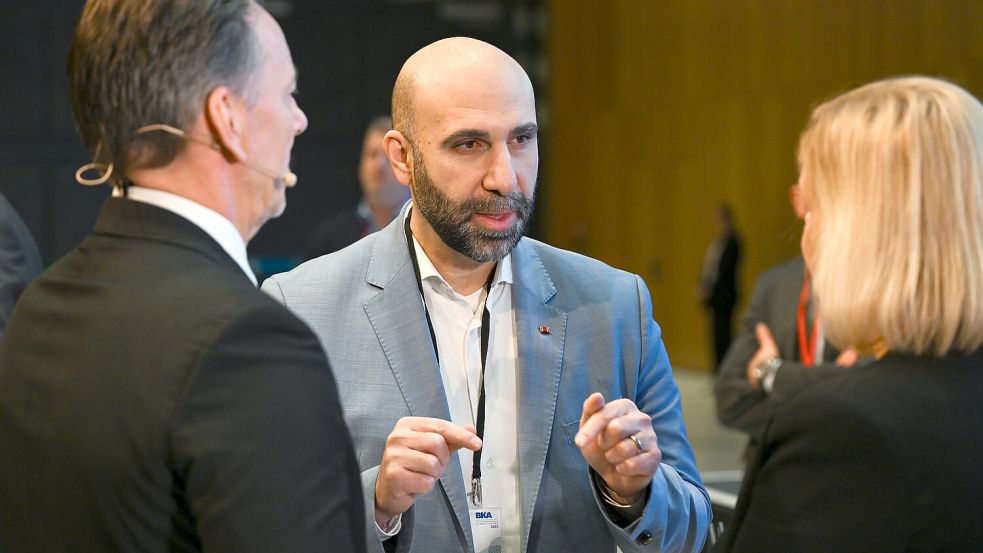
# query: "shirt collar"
213,223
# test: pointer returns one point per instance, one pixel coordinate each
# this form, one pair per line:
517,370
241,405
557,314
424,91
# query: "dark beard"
452,221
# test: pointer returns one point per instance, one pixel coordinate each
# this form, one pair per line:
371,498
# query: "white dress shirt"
457,325
212,222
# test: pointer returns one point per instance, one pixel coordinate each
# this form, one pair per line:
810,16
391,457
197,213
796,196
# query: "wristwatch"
764,372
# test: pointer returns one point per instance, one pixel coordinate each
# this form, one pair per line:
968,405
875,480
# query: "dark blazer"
20,261
775,302
885,458
153,400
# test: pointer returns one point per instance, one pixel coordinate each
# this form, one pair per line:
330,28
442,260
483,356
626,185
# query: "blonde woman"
890,456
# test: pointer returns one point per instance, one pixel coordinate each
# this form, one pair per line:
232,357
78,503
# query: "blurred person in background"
717,288
382,197
884,457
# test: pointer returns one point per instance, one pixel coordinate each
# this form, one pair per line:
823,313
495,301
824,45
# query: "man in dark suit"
20,261
151,398
780,352
768,363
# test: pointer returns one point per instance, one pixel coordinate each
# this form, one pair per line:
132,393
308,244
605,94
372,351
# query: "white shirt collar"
212,222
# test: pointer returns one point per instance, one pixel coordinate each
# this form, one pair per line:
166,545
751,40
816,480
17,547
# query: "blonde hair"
894,171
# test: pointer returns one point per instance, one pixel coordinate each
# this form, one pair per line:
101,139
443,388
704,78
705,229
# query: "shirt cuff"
391,529
627,512
768,384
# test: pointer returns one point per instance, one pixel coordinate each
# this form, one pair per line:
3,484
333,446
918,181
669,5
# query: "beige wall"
658,110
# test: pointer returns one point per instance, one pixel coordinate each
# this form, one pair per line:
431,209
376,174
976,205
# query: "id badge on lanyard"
486,528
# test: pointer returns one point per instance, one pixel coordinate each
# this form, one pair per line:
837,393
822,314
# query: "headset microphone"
288,179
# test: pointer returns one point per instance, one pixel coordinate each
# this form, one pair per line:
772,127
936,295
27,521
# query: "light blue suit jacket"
364,304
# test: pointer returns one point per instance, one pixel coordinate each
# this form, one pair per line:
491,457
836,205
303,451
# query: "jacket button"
644,538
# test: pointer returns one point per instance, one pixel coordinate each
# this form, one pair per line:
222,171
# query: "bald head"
465,142
448,70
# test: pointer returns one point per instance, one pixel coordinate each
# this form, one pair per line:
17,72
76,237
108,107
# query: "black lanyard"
475,494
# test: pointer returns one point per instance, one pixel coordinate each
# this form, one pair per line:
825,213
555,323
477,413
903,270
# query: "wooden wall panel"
661,109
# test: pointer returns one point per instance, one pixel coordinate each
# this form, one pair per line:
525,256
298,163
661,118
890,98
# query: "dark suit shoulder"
775,299
142,286
789,271
903,386
902,436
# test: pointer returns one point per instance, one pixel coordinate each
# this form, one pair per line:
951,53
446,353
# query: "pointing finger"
458,437
593,403
455,436
597,422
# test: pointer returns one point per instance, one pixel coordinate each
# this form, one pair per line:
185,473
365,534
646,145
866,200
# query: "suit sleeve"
738,404
826,479
259,441
676,517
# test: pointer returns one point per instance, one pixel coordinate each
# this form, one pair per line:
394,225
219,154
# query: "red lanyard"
807,349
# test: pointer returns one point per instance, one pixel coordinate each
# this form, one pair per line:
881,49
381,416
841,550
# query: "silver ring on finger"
638,442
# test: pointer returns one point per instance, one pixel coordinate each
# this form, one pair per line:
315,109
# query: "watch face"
756,372
764,368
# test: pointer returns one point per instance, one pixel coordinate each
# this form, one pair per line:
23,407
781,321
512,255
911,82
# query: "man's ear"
226,118
400,153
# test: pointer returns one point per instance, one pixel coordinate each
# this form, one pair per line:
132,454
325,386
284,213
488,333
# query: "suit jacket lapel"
397,317
538,369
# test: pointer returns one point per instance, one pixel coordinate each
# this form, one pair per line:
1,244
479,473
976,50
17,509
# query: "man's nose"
501,175
300,120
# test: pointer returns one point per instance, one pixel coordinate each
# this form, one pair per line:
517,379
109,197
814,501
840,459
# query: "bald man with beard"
503,395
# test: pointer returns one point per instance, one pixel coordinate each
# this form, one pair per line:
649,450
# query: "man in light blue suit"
503,395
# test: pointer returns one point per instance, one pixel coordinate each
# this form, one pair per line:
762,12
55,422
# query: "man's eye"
468,145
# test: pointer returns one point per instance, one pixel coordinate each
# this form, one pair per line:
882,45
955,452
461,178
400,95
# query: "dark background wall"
39,150
347,52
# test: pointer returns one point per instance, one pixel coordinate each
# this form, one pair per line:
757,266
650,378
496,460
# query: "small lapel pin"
544,329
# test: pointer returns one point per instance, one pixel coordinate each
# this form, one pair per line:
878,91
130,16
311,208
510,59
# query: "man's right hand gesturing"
417,450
